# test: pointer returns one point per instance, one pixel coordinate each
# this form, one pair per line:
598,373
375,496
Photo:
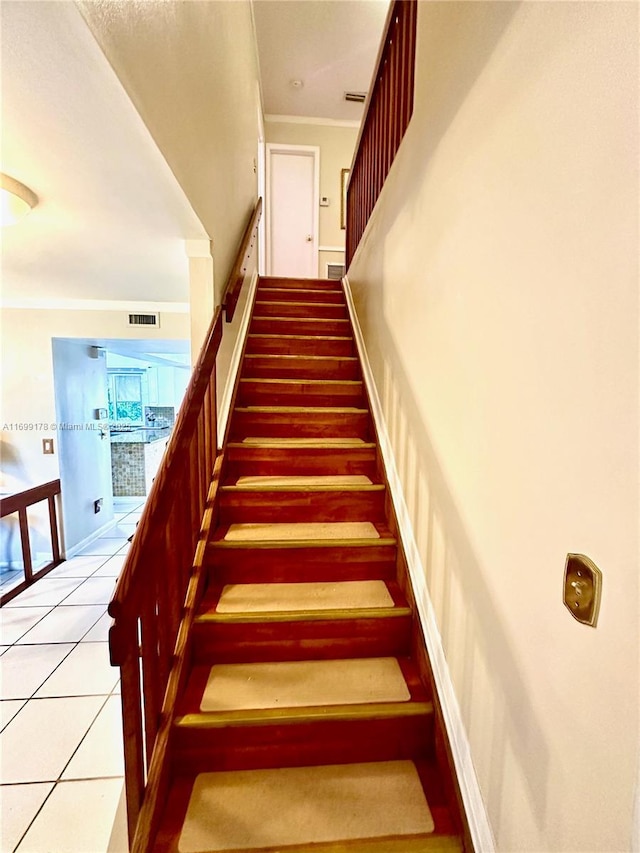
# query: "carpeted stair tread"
265,441
262,809
299,684
301,532
291,481
299,597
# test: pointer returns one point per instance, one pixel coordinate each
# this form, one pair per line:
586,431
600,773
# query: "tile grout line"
74,645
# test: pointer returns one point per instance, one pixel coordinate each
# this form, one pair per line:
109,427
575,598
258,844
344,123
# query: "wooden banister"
237,275
19,503
163,575
387,114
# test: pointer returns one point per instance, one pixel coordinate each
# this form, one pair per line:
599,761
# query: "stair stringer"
478,827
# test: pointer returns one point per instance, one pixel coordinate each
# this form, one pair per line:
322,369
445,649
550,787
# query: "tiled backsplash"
128,469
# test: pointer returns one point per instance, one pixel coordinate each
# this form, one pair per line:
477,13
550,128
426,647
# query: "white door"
292,210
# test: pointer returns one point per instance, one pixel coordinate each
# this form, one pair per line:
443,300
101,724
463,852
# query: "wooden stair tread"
291,442
301,320
300,337
319,297
289,302
276,357
305,615
283,410
281,381
308,713
296,484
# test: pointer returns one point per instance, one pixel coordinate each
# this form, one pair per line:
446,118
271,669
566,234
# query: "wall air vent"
151,320
355,97
335,272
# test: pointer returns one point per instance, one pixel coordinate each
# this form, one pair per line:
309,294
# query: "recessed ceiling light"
297,84
16,200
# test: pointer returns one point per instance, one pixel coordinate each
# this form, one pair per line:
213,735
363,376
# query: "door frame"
299,150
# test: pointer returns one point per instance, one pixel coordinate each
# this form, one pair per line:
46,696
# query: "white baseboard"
68,553
225,403
479,825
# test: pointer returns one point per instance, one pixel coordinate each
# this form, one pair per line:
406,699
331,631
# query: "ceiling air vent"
152,320
355,97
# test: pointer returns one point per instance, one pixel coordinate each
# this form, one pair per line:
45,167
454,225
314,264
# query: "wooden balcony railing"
162,581
241,266
387,114
19,503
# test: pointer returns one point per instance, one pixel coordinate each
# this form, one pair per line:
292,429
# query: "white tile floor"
61,731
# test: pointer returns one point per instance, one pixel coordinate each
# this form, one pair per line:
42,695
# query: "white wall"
336,145
497,286
81,441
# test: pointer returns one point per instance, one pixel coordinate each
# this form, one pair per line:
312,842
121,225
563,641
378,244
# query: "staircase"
307,722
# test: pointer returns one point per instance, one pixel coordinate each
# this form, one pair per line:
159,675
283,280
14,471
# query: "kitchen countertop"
140,435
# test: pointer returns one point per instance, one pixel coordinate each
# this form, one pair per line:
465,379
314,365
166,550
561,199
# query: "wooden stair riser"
326,639
300,294
302,744
304,310
298,326
293,344
246,460
292,392
247,423
270,506
299,367
303,565
300,283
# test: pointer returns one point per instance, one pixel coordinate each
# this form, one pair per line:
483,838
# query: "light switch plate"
47,446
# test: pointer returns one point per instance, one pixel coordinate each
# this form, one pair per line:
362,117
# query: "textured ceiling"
329,45
111,219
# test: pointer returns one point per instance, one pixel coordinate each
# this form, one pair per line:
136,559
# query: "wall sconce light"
16,200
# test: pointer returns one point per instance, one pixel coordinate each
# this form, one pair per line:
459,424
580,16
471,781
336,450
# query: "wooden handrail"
387,114
19,503
237,275
163,576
